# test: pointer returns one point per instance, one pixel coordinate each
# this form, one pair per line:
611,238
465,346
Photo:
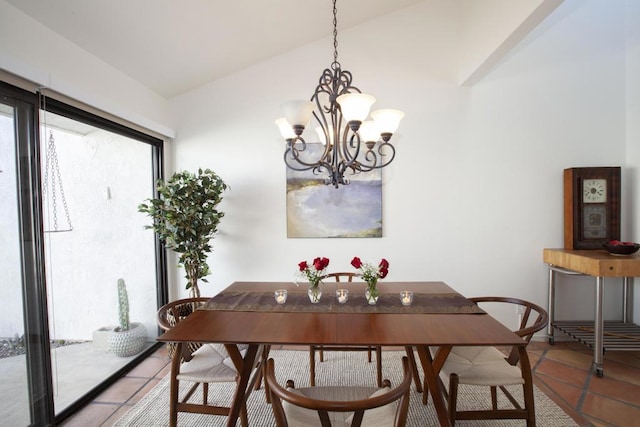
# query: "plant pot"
130,342
102,338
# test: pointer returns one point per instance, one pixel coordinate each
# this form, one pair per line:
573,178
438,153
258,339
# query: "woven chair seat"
209,364
482,366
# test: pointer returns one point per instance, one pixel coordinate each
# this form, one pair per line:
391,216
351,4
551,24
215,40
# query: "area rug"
338,368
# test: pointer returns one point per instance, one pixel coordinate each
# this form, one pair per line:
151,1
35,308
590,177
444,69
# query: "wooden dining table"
246,313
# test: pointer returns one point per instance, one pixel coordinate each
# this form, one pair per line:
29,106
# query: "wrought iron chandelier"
350,142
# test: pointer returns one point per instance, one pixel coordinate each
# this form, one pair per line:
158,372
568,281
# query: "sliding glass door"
92,182
25,365
69,232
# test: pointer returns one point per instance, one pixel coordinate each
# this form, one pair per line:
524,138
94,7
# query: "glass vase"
372,294
315,293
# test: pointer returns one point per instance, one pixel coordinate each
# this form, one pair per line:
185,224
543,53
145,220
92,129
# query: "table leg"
414,367
173,387
432,383
626,297
245,367
551,305
598,347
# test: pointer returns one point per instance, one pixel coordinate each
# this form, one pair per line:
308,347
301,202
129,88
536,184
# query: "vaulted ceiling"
172,46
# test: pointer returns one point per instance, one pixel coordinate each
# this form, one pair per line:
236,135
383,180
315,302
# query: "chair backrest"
379,399
534,318
341,276
172,313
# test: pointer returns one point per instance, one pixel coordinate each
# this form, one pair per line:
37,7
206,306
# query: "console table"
597,334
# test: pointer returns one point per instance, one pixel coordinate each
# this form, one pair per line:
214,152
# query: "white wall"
633,129
34,52
475,192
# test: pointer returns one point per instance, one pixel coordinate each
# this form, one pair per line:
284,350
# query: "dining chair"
339,405
489,367
345,277
200,364
169,317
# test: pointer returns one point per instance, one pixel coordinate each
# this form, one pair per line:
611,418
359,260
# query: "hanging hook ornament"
52,188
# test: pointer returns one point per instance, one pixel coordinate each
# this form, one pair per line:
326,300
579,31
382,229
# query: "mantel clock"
591,206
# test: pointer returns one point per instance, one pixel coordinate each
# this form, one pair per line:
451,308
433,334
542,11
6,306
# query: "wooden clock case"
588,224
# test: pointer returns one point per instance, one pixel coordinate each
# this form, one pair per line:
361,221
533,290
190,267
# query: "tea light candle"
342,295
406,297
281,296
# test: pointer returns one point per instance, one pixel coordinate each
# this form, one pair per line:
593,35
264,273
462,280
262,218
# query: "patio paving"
76,369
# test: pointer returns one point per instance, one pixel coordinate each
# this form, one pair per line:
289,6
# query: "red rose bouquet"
314,272
370,274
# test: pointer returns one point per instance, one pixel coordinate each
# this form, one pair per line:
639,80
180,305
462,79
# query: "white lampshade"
355,106
369,131
298,112
285,128
387,120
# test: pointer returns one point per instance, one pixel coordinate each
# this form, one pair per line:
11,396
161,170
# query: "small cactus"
123,306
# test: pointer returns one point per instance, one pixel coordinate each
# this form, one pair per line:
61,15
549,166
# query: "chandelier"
350,142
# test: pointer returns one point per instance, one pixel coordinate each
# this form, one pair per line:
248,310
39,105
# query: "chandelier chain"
335,33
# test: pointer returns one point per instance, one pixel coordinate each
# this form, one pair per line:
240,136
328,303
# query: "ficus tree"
185,217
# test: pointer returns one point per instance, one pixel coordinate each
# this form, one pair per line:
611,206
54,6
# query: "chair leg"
312,365
205,393
369,356
378,364
453,398
321,354
529,404
494,398
527,387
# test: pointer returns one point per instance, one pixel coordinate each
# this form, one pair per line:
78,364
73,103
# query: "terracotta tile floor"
560,370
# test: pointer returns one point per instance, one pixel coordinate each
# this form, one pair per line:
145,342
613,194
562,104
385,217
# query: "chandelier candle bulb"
406,297
342,295
285,129
281,296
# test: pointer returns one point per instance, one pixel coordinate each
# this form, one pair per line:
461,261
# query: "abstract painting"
318,210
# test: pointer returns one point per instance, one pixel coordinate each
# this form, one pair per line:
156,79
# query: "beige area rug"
338,368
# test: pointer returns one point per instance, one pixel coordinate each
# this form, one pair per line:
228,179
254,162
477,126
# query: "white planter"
102,337
128,343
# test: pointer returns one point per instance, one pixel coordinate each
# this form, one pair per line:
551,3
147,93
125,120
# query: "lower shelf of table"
617,335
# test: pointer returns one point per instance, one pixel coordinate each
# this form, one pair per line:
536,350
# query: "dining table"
437,319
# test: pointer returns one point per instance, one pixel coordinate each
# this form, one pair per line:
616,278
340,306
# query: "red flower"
356,262
384,264
383,272
320,263
303,266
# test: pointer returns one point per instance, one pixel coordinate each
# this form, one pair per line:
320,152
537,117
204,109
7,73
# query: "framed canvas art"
318,210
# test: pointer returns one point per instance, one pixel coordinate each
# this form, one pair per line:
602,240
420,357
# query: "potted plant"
128,338
185,217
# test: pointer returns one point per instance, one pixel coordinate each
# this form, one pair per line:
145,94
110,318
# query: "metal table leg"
626,297
551,305
598,347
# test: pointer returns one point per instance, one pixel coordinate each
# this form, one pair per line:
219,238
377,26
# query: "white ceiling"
172,46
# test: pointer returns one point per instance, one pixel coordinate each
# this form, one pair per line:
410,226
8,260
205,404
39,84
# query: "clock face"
594,190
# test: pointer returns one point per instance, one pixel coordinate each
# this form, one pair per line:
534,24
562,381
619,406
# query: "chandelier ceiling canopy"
351,142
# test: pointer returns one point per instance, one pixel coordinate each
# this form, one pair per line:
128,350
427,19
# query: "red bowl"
621,248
